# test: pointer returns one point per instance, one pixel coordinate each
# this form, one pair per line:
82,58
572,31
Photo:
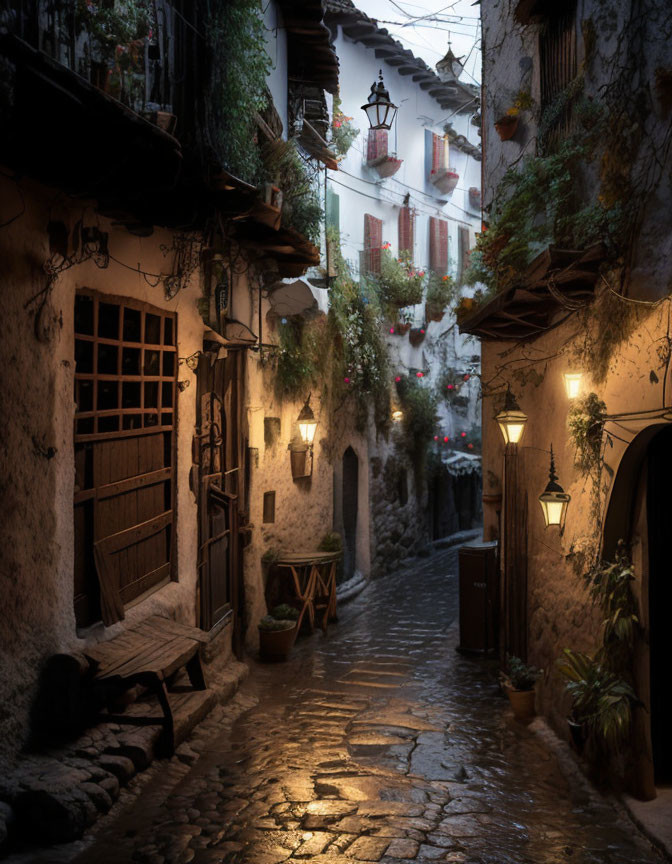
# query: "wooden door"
220,448
125,378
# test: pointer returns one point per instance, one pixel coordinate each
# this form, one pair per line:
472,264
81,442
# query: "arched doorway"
659,518
349,511
638,511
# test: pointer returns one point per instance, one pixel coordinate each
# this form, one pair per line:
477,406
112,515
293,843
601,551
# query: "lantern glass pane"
307,431
573,384
553,512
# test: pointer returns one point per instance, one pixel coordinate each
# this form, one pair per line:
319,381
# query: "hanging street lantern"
379,108
511,420
397,416
573,383
554,499
307,424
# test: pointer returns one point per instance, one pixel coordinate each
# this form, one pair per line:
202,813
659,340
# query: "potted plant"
441,291
602,701
445,179
518,682
277,632
506,126
400,283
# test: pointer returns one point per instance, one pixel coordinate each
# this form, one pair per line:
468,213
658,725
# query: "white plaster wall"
276,46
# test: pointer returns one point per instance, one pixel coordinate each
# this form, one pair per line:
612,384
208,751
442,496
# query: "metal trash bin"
479,598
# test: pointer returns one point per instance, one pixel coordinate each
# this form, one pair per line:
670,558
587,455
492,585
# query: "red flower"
419,374
466,377
470,446
436,437
347,380
463,434
450,386
446,440
391,329
398,379
422,331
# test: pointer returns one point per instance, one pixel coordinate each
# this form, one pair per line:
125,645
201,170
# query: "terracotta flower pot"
522,702
506,127
416,336
385,166
276,644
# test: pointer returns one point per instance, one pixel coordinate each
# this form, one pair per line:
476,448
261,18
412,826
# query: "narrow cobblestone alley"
376,743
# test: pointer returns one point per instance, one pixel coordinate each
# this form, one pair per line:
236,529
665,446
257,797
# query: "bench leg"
195,672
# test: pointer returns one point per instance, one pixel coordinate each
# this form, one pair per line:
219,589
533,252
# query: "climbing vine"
239,66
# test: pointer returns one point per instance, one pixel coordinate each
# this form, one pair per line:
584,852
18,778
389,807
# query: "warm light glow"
397,416
307,431
573,384
379,107
308,423
512,424
554,507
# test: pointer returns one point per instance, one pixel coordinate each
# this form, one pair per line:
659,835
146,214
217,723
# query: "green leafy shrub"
238,68
301,206
331,542
586,422
284,612
419,422
441,291
270,623
399,282
519,675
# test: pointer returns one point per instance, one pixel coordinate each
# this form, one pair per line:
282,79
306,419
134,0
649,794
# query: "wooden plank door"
220,452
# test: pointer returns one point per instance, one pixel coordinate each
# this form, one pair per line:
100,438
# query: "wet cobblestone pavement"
376,743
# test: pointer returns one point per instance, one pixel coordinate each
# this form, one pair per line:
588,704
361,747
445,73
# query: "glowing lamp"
397,416
511,420
379,108
573,383
554,499
307,424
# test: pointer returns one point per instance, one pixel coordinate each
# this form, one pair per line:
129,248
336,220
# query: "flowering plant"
400,283
343,133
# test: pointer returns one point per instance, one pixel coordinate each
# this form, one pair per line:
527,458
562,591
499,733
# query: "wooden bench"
148,654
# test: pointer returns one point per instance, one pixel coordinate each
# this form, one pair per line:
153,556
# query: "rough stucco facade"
629,371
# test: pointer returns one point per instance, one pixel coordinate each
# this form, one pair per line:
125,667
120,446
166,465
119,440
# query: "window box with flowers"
377,156
399,282
444,179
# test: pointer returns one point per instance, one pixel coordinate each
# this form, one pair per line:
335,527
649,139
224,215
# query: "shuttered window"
373,241
438,245
557,63
462,252
439,153
376,147
406,230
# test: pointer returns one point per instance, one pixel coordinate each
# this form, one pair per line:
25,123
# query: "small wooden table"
314,580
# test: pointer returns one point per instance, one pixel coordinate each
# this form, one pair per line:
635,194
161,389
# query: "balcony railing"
136,52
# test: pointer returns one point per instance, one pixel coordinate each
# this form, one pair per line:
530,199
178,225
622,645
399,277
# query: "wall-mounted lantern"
511,420
573,383
397,416
379,108
554,499
307,423
301,447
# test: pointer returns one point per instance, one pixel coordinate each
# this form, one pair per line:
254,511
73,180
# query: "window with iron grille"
557,64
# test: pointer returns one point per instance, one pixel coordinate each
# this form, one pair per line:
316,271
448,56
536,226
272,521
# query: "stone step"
189,708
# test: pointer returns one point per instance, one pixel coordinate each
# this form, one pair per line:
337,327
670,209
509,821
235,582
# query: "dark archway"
659,517
349,513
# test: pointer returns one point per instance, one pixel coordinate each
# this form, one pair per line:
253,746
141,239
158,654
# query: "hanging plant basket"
445,180
401,328
434,312
386,165
506,126
416,336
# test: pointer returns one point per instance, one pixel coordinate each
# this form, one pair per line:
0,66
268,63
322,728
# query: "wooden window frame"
438,245
165,416
373,243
